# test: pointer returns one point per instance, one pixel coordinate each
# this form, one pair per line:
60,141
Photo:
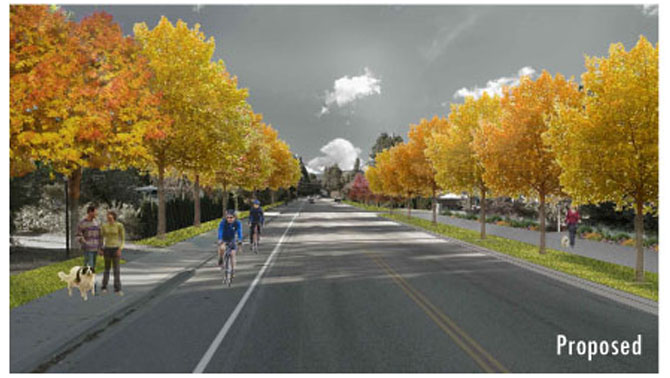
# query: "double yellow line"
462,339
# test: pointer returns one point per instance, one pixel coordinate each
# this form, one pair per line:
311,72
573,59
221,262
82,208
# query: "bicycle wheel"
225,269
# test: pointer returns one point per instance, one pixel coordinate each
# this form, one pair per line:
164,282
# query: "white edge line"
204,361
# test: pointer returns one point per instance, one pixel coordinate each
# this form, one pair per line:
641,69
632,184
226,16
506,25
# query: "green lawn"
192,231
612,275
32,284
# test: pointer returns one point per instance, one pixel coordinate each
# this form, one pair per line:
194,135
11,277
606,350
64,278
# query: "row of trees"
83,95
547,138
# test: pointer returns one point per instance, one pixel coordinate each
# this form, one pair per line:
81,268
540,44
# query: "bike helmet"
230,212
256,202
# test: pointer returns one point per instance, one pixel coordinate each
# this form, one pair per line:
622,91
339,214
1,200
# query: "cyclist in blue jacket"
229,227
256,220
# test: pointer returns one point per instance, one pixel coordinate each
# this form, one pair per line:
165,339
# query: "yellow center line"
463,340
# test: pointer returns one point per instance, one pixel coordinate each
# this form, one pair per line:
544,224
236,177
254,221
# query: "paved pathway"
53,322
613,253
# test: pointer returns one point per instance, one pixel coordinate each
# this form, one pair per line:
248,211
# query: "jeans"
90,258
572,229
112,259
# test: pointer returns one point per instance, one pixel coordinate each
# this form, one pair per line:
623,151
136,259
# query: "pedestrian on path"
88,236
114,235
571,220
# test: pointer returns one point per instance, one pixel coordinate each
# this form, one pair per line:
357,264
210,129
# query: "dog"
565,241
80,277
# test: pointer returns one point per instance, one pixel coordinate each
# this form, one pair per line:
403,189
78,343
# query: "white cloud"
649,10
197,8
338,151
348,89
495,86
445,36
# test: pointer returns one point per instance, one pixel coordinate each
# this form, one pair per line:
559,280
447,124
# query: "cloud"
338,151
349,89
649,10
495,86
444,37
197,8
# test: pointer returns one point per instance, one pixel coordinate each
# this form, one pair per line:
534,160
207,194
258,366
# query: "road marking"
204,361
462,339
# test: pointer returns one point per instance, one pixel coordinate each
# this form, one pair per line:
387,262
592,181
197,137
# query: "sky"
330,79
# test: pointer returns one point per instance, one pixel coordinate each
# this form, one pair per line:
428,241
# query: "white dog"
80,277
565,241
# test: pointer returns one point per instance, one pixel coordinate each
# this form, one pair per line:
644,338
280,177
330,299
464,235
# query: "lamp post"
67,219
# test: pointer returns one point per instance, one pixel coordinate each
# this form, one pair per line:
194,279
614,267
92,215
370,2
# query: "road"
349,292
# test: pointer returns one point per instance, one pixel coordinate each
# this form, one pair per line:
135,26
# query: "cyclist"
256,220
228,228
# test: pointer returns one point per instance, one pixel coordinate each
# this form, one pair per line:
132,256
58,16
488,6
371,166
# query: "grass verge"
192,231
35,283
608,274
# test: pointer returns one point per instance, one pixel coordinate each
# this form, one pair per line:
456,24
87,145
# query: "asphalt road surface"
349,292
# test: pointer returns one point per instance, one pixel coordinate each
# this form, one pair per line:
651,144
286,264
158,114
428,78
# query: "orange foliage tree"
79,98
515,158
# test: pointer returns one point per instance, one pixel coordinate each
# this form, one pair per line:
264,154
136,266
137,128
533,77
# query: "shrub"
494,219
584,229
592,236
502,223
620,236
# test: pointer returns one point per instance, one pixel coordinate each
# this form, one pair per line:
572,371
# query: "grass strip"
185,233
605,273
36,283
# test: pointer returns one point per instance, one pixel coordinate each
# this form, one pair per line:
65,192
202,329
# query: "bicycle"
226,267
227,270
255,231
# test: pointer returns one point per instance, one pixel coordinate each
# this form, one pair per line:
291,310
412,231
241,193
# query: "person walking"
114,235
571,220
89,238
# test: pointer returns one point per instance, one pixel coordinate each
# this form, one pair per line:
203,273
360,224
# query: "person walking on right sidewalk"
571,220
114,236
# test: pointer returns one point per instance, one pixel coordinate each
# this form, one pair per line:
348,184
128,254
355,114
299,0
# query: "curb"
622,297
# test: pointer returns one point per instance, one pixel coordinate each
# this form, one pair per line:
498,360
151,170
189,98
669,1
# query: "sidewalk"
52,324
612,253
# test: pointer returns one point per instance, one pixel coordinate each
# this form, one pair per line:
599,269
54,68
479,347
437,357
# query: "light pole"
67,219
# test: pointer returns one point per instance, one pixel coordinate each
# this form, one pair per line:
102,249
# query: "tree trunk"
542,225
272,196
160,232
482,213
74,192
196,201
639,235
235,197
224,201
409,207
434,208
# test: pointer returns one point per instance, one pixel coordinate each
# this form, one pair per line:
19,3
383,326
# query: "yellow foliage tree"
421,168
383,180
515,158
607,145
196,94
451,150
285,169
